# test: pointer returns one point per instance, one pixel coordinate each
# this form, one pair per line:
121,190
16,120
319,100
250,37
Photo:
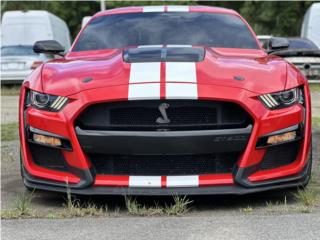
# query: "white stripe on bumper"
183,181
145,181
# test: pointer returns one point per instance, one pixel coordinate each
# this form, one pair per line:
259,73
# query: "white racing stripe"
181,91
142,91
149,46
177,45
183,181
153,9
144,181
180,77
181,80
178,8
145,72
181,72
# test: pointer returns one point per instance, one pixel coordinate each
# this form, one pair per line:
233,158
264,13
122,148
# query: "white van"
85,20
27,27
19,31
311,24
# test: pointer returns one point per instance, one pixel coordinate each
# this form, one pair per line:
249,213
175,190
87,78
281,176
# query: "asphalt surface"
246,227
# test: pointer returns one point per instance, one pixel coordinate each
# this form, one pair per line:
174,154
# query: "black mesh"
280,155
47,157
165,165
183,115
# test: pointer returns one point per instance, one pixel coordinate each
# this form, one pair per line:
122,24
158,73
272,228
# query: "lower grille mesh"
165,165
279,156
47,157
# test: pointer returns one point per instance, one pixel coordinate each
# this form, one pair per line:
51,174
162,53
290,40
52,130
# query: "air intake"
165,54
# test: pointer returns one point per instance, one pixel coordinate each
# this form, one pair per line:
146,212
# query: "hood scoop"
163,54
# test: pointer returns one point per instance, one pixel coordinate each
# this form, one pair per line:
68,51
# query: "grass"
74,208
247,209
307,197
9,132
314,87
179,207
22,208
10,90
316,122
278,206
81,210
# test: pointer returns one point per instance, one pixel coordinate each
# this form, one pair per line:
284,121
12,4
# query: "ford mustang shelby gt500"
165,100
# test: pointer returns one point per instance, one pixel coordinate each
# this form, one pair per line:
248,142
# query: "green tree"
275,18
266,17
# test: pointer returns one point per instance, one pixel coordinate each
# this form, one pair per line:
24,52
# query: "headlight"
282,99
47,102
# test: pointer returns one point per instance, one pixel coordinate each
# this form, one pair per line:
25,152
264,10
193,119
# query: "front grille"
280,155
47,157
183,115
163,165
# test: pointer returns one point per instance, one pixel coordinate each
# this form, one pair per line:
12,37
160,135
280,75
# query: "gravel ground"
293,227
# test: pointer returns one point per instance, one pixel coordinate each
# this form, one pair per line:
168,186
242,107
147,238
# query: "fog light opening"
46,140
283,136
280,138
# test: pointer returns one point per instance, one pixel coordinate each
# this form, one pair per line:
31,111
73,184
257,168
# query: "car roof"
177,8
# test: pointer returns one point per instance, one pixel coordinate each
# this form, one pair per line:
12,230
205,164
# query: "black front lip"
171,142
213,190
239,188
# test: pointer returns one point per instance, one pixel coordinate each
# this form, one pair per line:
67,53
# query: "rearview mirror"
48,47
278,43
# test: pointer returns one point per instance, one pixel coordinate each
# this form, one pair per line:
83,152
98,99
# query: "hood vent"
163,54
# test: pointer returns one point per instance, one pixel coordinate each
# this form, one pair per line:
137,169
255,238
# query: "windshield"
17,51
133,29
302,44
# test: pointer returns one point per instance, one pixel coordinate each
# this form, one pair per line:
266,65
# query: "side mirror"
278,43
48,47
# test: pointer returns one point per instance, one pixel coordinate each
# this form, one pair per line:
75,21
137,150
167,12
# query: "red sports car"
163,100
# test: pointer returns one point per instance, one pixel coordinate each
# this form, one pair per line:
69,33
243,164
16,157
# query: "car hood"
252,70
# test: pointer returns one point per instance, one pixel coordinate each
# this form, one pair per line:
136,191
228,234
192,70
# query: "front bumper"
82,178
298,180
